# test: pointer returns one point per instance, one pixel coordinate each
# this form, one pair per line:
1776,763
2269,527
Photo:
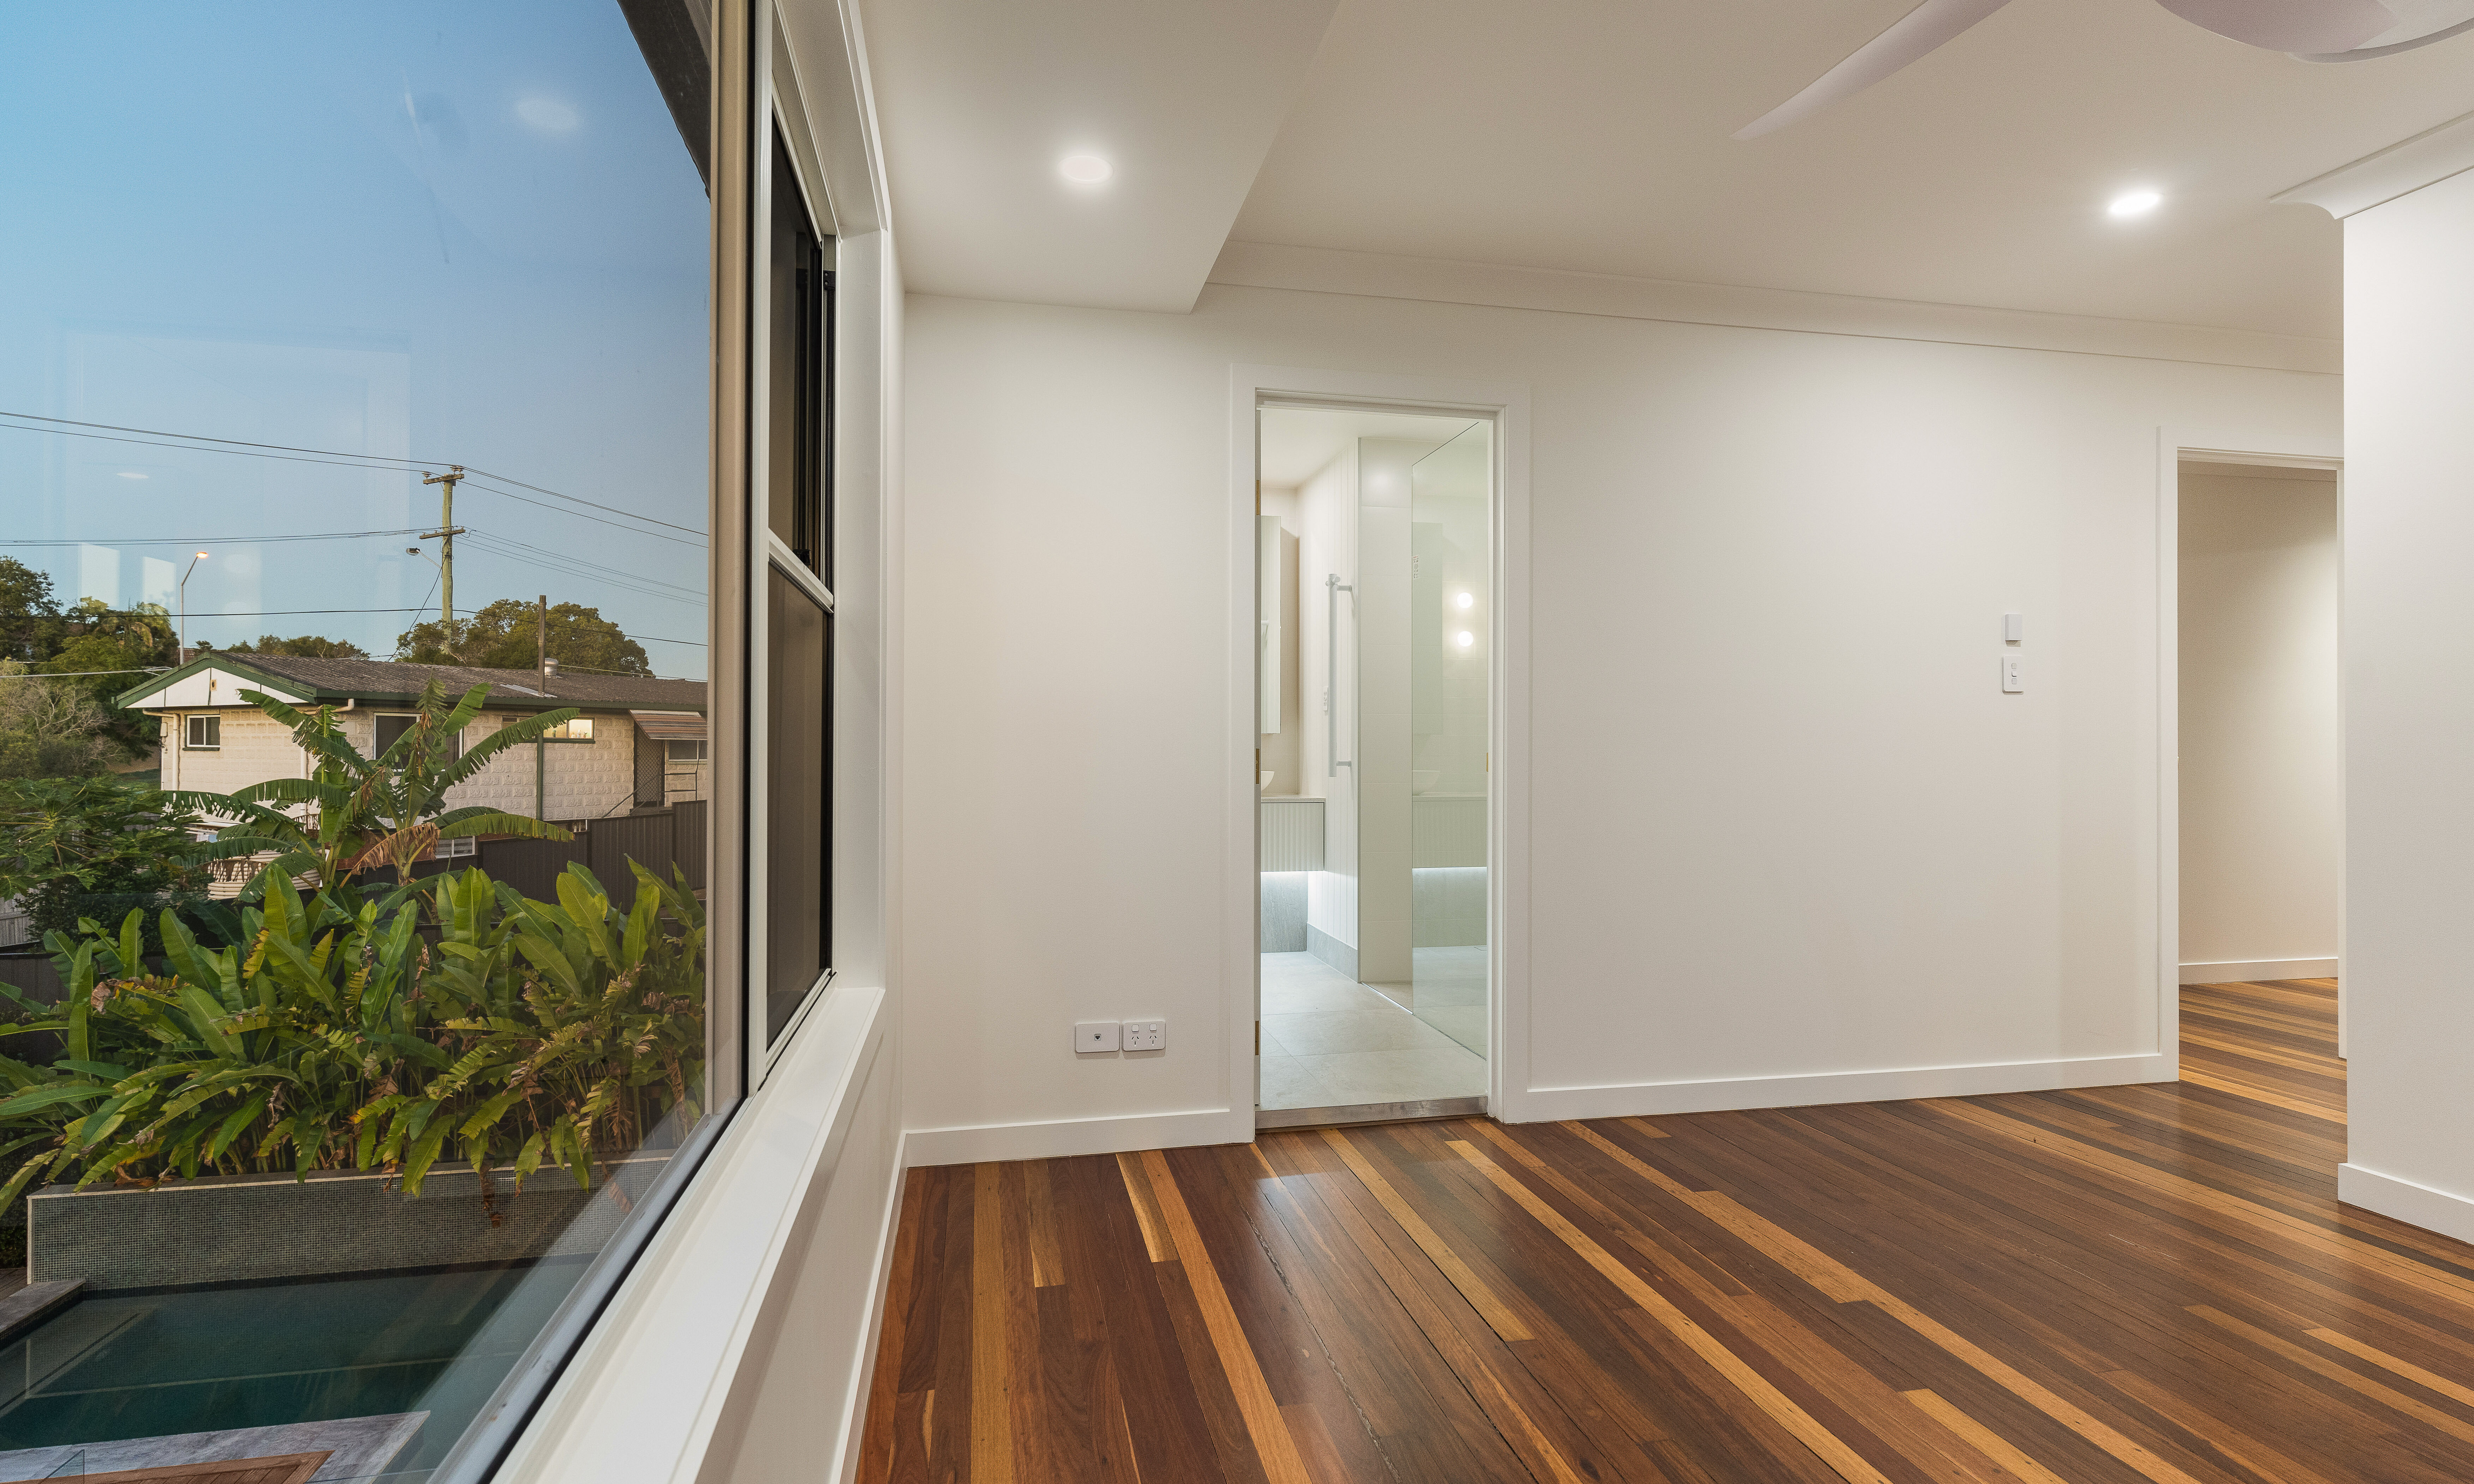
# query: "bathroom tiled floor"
1330,1040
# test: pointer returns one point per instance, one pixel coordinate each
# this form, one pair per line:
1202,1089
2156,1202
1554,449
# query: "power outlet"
1146,1034
1095,1036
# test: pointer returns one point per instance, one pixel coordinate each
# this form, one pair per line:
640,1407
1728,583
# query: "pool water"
143,1365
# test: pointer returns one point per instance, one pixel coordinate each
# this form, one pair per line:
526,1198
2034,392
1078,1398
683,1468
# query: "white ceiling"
979,100
1297,443
1593,135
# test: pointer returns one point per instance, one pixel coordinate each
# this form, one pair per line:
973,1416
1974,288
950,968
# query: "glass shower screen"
1451,605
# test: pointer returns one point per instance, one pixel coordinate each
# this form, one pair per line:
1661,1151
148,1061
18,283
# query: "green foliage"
344,1030
304,646
354,812
50,729
30,612
506,636
69,845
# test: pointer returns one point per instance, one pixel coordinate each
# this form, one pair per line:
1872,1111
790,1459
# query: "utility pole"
541,748
446,531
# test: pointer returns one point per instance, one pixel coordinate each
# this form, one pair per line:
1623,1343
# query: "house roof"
316,681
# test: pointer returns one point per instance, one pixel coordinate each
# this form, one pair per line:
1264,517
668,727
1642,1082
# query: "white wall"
2410,707
2262,838
1788,841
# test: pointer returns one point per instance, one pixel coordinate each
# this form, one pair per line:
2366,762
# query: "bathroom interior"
1374,569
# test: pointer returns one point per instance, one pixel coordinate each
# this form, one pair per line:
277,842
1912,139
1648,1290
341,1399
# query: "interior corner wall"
2262,840
2410,707
1789,842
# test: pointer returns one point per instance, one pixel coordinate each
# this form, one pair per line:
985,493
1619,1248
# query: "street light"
183,656
415,551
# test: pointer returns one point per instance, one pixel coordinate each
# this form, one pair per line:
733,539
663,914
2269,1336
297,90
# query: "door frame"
1505,405
2173,446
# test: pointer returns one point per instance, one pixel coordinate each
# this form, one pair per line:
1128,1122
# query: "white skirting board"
2432,1210
1067,1138
2250,969
1540,1104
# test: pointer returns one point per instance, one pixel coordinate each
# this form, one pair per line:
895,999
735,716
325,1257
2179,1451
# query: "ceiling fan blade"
2315,27
1909,37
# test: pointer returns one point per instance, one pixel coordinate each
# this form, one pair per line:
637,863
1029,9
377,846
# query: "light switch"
2013,682
1095,1036
2014,627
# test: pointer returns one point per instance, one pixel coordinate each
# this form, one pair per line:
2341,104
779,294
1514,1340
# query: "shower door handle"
1332,588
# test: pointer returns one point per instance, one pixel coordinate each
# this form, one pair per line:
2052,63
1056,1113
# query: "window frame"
775,124
563,732
213,723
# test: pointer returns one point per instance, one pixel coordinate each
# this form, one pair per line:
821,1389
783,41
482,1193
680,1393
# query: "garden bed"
227,1228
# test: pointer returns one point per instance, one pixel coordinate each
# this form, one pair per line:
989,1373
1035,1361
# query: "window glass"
575,729
800,468
390,729
799,736
369,345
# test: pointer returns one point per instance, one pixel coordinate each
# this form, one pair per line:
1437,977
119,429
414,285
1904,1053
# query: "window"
686,753
578,729
799,502
392,725
798,810
797,761
417,243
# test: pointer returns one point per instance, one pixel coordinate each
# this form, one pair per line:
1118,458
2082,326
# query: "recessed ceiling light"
1084,169
1466,638
2134,203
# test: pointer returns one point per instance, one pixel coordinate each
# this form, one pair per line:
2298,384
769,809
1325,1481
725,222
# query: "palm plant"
354,812
536,1034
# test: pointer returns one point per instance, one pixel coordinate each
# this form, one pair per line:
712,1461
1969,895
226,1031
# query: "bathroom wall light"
2134,203
1084,169
1467,600
1466,638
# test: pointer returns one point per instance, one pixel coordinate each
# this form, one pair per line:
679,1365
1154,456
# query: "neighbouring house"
640,742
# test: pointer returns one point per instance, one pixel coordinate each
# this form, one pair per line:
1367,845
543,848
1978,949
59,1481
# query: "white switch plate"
1095,1036
2013,681
1146,1034
2014,627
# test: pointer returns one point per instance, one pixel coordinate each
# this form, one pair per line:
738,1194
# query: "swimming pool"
143,1365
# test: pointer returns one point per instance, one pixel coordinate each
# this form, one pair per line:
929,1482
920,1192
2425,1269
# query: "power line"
606,577
211,541
658,582
292,454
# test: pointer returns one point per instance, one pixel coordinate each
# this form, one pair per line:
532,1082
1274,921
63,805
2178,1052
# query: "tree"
64,840
305,646
50,729
29,615
501,637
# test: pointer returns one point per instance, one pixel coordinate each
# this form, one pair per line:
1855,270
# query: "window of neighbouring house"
392,725
686,753
413,402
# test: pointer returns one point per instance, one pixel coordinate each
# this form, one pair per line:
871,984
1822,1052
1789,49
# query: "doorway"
1374,554
2259,735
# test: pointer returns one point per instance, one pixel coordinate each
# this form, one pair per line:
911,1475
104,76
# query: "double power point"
1093,1037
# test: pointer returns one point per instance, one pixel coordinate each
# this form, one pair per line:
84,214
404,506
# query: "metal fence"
656,839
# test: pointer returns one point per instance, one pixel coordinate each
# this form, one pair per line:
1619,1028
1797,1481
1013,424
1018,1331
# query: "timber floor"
2099,1287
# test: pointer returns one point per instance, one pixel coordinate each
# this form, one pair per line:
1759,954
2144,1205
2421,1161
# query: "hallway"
2103,1285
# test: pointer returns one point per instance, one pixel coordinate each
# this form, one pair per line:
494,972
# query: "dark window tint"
205,731
799,478
799,726
391,728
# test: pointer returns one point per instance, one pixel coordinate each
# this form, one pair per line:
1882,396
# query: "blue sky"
459,231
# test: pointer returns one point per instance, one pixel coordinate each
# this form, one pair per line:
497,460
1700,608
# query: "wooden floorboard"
2103,1285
